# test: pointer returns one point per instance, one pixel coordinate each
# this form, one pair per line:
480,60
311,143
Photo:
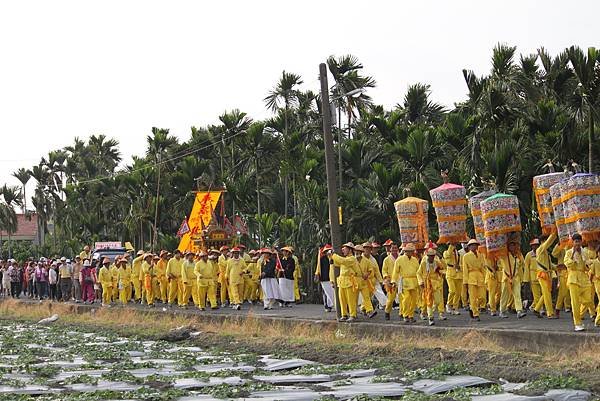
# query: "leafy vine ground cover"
52,363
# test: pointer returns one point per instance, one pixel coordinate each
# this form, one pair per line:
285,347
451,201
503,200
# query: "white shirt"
52,276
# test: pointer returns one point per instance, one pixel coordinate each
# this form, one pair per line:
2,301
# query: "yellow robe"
234,278
474,277
105,279
136,271
173,272
578,282
147,276
206,274
190,286
405,269
348,286
161,278
124,279
431,277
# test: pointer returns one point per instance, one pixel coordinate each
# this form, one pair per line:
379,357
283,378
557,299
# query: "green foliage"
436,372
548,382
525,111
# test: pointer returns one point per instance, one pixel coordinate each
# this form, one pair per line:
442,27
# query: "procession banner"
201,215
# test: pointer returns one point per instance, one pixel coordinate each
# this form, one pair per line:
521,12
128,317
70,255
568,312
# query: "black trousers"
15,289
65,286
52,294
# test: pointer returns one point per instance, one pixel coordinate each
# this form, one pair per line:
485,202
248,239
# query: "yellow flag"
201,215
340,214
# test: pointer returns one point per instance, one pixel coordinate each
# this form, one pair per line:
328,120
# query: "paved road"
316,312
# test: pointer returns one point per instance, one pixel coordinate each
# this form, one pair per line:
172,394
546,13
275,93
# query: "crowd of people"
545,280
174,279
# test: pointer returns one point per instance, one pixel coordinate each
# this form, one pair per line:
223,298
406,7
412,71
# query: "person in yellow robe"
105,279
563,299
591,249
234,274
492,282
430,276
136,271
530,275
405,274
578,281
114,274
297,275
544,270
376,278
206,274
213,258
389,284
85,254
173,272
124,281
512,268
188,279
594,274
473,275
147,275
161,276
454,277
251,278
346,281
223,290
365,287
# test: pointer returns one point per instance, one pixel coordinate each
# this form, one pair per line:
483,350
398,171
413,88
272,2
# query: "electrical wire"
186,153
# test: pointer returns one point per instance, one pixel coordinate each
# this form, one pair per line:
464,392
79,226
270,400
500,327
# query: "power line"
186,153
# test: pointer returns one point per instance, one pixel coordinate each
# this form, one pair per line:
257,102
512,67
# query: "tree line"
529,111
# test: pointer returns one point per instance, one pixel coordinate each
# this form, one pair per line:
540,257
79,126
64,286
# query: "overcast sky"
76,68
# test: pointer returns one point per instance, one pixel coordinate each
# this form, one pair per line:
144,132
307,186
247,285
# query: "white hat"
86,263
68,260
63,259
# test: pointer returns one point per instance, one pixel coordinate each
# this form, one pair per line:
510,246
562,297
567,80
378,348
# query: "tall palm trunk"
24,200
258,201
285,178
340,172
591,140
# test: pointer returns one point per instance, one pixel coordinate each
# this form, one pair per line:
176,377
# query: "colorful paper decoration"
412,221
580,196
541,188
475,207
501,217
449,201
564,230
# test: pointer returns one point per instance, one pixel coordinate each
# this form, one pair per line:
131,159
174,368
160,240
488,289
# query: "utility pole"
158,156
258,154
334,222
340,156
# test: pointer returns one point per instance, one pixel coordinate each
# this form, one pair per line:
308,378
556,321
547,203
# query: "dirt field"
392,353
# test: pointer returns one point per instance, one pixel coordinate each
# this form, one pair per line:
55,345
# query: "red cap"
431,245
388,242
376,245
241,246
223,248
235,249
327,247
